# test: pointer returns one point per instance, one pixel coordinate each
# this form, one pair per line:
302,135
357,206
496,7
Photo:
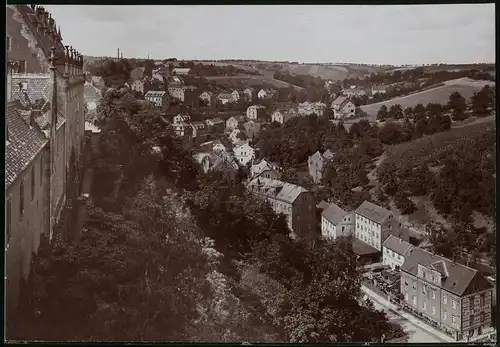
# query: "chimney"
121,56
118,56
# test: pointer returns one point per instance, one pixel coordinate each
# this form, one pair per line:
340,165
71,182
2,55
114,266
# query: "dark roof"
39,87
373,212
397,245
334,214
457,278
23,145
361,248
322,205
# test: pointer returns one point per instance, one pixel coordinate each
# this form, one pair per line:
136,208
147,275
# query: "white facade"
156,97
253,111
248,94
232,123
346,110
235,95
283,116
368,231
331,231
138,86
392,258
181,118
219,147
207,97
244,154
308,108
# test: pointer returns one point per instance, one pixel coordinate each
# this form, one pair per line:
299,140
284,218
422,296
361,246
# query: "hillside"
465,86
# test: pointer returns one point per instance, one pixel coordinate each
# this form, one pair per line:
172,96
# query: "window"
424,289
8,221
482,300
414,298
424,305
471,320
406,297
453,303
445,315
21,200
481,317
433,309
433,294
453,319
471,303
32,183
414,285
445,299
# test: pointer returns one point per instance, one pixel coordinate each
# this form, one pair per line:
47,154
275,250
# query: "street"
413,327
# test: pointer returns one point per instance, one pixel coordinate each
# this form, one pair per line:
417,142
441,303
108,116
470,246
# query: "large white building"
343,107
308,108
157,97
370,221
244,153
283,116
255,112
394,251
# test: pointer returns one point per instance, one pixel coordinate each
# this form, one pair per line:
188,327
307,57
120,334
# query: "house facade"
137,86
316,164
266,94
256,112
370,221
265,168
207,97
394,251
234,122
343,108
216,125
248,93
455,297
224,98
244,154
251,129
309,108
336,222
295,202
157,97
181,71
178,92
235,96
283,116
379,90
44,131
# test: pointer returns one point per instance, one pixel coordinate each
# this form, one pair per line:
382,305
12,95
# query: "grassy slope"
464,86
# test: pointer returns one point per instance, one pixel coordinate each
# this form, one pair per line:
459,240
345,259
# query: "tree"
395,112
457,104
483,101
390,133
382,113
408,112
418,112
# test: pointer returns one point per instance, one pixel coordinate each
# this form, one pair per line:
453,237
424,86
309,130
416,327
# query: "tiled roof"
216,120
154,93
340,100
38,87
328,155
373,212
322,205
397,245
334,214
23,145
458,278
316,156
277,189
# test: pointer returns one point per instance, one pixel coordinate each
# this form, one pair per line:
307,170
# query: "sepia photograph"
250,173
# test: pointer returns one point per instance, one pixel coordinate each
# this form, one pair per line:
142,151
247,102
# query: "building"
177,92
295,202
181,71
244,153
137,74
316,164
309,108
207,97
265,168
235,95
283,116
44,129
256,112
379,90
224,98
455,297
92,97
251,129
183,129
234,122
374,224
336,222
343,107
216,125
248,93
219,146
266,94
394,251
181,118
137,86
158,97
98,82
353,92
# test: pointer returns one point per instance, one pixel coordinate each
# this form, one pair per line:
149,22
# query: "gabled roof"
334,214
397,245
277,189
216,121
239,119
457,278
224,96
155,93
373,212
322,205
340,101
23,145
327,154
316,156
257,106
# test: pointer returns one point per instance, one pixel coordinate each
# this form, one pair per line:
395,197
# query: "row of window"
393,254
454,302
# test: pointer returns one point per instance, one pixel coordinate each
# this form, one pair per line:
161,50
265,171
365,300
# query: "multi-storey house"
309,108
248,93
137,86
455,297
394,252
265,168
157,97
207,97
251,129
343,108
283,116
234,122
256,112
336,222
316,164
244,153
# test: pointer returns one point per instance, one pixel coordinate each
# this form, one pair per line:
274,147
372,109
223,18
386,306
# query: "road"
418,332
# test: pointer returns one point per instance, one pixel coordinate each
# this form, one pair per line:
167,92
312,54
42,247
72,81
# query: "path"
417,330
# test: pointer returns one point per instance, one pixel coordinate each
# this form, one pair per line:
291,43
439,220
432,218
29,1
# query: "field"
464,86
250,80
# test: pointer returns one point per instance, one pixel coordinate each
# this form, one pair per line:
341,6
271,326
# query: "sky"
370,34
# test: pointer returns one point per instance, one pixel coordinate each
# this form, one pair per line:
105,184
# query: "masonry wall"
24,230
